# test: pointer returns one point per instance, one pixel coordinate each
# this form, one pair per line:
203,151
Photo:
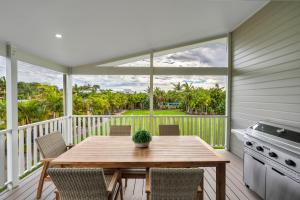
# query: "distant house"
172,105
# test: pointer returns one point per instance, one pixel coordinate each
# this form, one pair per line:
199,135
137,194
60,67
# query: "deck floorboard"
135,190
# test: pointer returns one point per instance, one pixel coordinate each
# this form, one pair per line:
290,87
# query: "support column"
68,105
228,91
12,116
151,93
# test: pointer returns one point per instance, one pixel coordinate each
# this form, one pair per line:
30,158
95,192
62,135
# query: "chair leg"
57,197
121,188
126,180
42,179
202,193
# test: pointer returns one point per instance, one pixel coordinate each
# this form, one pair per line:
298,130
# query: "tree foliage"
39,102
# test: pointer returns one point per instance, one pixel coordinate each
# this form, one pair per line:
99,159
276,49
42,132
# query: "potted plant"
142,138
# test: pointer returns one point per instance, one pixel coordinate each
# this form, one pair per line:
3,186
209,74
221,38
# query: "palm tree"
177,86
187,95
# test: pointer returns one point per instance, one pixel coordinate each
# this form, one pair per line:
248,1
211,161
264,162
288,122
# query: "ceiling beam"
93,70
36,60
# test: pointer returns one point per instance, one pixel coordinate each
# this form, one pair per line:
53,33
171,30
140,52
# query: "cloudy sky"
211,54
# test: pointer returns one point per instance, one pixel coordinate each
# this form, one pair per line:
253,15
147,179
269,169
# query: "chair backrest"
169,130
120,130
51,145
176,183
77,184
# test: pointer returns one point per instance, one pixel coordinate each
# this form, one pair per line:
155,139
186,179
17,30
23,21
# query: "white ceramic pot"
142,145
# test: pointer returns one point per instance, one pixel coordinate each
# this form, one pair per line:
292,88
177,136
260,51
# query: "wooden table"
164,151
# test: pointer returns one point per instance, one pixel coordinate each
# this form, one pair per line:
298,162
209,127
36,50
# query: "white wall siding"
266,68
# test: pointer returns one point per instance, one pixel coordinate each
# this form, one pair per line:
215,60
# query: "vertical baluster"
200,127
94,126
59,126
192,125
132,125
136,123
74,121
35,151
28,148
79,133
182,125
124,120
103,125
186,123
21,152
218,131
98,126
209,131
64,129
46,129
51,127
197,125
223,130
55,125
214,130
41,130
204,128
84,127
89,126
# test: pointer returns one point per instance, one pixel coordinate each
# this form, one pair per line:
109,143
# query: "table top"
120,152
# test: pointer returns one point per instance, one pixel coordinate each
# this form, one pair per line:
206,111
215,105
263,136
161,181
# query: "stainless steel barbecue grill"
272,161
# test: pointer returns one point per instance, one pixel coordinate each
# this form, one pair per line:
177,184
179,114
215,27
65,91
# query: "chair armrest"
113,182
47,160
147,181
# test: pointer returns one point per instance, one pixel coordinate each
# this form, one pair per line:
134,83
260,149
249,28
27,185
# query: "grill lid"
278,131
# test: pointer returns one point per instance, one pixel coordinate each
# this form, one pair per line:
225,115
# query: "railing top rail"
42,122
3,132
204,116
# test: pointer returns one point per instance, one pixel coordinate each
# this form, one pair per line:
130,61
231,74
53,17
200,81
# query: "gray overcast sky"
210,54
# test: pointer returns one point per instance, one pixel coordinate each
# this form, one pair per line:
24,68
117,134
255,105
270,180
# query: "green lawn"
156,112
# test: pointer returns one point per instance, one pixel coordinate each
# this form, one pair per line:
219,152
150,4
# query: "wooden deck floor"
235,189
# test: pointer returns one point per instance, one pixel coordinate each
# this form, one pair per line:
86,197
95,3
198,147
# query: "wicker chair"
50,146
125,130
120,130
177,183
84,183
169,130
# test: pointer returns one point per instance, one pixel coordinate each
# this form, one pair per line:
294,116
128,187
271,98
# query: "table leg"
220,181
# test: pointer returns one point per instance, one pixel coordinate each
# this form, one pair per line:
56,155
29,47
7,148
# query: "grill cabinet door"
281,187
255,175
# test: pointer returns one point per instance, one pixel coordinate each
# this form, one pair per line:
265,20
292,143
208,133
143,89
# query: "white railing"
28,154
211,128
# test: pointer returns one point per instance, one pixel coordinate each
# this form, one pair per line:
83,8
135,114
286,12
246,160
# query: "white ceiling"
99,30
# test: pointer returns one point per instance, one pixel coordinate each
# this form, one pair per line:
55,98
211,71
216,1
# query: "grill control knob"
273,155
259,148
249,143
290,163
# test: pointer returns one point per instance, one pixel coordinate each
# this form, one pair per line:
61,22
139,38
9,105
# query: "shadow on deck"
235,188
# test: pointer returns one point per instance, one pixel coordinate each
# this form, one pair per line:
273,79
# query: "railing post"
12,116
228,93
68,105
